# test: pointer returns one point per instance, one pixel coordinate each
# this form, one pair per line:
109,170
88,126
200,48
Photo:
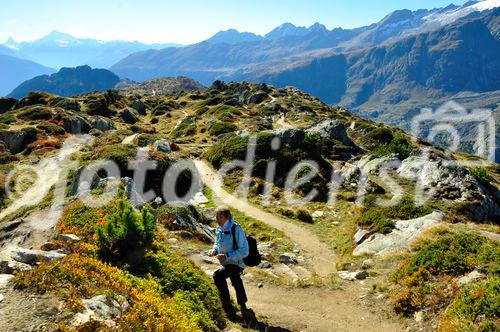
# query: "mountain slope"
229,52
69,82
14,71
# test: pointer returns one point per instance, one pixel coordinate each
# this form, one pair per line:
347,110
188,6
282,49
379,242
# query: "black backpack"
253,258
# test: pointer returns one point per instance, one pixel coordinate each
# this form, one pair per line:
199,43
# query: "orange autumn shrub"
78,277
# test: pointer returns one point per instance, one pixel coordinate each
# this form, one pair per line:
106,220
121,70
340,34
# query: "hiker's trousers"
232,272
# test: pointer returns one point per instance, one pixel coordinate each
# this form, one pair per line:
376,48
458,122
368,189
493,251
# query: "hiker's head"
222,214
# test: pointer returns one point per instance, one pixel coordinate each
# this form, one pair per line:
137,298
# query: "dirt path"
317,254
48,172
288,308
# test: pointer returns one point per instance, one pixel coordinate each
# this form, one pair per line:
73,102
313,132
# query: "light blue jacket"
224,244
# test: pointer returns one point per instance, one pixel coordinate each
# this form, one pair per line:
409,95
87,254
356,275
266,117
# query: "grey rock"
75,124
332,129
29,256
290,136
360,275
17,141
9,267
68,237
162,145
257,98
288,258
401,237
101,123
130,116
360,235
265,265
367,264
186,235
102,309
139,106
187,223
471,277
5,279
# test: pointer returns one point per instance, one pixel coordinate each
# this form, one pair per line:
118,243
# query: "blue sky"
187,21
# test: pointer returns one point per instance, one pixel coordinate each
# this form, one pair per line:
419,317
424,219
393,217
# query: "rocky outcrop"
400,238
101,308
139,106
257,98
185,222
29,256
331,129
17,141
446,179
290,136
101,123
130,116
75,124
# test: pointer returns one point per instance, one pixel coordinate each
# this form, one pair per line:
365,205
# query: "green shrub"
480,174
230,148
119,153
476,308
125,232
146,139
304,215
185,128
7,118
35,113
456,254
399,145
377,219
181,279
222,128
383,135
51,128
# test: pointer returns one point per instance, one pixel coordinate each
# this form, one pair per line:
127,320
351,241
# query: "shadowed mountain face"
69,82
13,71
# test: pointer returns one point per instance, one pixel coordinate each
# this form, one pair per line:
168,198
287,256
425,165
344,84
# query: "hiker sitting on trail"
230,254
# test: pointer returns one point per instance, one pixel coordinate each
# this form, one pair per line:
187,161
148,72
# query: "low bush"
476,308
126,234
383,135
480,174
304,215
78,277
222,128
35,113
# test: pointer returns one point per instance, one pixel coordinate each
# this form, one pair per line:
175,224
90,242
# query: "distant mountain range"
59,50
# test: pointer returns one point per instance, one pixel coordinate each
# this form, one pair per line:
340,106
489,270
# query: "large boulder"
400,238
6,104
75,124
139,106
257,98
331,129
130,116
17,141
29,256
101,123
446,179
290,136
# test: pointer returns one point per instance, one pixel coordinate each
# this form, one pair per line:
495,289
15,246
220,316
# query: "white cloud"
11,21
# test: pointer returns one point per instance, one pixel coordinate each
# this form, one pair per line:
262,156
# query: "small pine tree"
125,232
